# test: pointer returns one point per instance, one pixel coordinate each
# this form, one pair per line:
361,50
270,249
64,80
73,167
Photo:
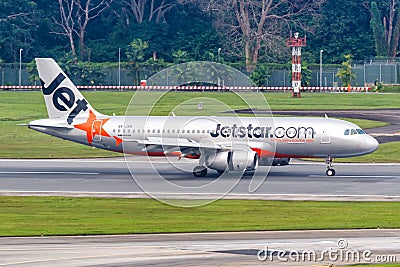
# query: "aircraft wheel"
330,172
199,171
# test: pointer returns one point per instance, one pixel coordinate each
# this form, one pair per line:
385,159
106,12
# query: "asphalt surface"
103,176
277,248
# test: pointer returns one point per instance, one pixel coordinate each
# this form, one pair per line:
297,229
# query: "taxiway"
112,176
276,248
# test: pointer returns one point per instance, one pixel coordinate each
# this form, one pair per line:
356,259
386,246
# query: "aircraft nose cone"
371,144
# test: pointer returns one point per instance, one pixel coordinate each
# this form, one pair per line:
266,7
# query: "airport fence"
366,73
200,88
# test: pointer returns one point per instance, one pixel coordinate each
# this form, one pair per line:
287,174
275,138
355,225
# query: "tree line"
246,32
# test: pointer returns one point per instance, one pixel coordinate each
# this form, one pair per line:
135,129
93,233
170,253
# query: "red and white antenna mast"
296,43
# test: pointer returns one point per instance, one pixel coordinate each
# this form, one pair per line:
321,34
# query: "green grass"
276,101
332,101
388,152
22,107
391,88
33,216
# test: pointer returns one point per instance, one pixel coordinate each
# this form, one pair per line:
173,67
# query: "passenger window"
346,132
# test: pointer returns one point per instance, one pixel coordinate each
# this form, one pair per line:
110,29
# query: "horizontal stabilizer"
49,123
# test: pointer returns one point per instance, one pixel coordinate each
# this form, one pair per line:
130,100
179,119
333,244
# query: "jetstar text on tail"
65,96
250,131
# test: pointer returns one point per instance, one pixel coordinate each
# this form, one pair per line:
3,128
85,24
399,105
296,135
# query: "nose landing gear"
330,171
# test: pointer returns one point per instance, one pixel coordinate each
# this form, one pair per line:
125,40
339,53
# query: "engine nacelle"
237,160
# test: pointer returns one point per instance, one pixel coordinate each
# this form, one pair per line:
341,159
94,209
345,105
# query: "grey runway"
112,176
288,248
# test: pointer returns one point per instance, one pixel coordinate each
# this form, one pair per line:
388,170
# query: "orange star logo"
118,140
93,127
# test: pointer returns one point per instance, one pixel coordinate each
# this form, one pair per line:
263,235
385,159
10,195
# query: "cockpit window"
359,131
353,131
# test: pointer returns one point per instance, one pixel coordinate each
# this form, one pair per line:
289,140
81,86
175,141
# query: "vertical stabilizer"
63,99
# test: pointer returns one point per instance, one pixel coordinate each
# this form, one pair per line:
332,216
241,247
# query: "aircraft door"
96,130
325,136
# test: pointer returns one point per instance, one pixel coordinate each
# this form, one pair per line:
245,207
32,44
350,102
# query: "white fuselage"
269,137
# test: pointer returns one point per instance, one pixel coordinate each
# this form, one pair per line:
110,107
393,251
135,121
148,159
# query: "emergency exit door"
96,130
325,136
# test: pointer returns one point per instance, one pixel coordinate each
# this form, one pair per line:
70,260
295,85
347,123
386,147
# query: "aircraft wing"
181,142
170,145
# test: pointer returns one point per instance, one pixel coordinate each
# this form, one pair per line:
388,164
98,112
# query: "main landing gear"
330,171
200,171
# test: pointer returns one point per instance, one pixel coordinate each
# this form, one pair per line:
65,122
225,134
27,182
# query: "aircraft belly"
308,149
334,149
290,150
132,147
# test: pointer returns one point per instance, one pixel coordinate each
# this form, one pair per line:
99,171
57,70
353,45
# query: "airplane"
223,144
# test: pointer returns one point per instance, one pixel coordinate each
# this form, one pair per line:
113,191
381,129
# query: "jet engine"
237,160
